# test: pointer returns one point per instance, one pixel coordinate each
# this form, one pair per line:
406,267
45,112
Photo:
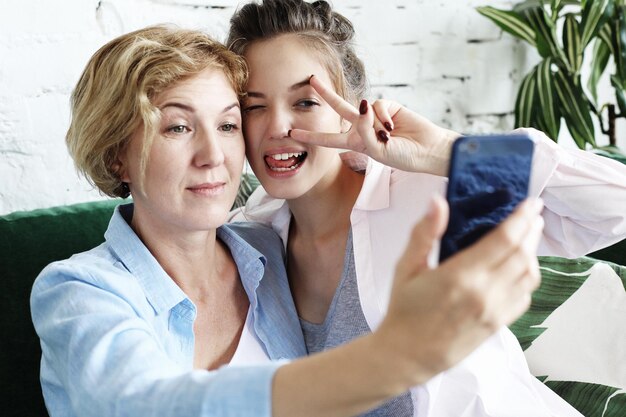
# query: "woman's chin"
282,189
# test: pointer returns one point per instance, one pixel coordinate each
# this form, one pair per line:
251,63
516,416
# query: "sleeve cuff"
242,391
546,159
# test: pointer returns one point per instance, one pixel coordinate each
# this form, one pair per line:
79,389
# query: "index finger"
328,140
341,106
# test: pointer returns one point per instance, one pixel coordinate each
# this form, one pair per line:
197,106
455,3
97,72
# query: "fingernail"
388,126
383,136
312,75
289,133
363,107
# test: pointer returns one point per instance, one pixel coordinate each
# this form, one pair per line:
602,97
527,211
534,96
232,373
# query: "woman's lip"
208,185
277,151
283,168
211,188
282,174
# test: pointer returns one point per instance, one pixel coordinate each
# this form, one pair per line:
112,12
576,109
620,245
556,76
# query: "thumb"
423,237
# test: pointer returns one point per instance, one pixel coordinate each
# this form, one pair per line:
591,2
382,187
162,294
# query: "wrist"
446,138
402,363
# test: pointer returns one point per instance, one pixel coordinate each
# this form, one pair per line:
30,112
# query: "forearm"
572,183
344,381
436,317
441,158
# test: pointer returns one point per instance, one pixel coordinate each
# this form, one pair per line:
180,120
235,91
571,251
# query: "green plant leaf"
618,32
575,109
536,18
554,4
620,93
595,14
522,6
606,34
591,399
557,5
525,101
510,22
571,42
546,39
248,184
549,117
599,60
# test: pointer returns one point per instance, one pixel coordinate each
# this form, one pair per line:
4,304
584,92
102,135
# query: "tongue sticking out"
285,162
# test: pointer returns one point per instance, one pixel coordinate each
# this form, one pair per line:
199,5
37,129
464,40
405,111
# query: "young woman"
146,323
344,217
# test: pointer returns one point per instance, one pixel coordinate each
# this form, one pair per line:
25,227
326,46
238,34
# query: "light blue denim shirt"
117,333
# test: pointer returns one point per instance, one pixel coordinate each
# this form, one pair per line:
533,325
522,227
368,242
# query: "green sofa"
30,240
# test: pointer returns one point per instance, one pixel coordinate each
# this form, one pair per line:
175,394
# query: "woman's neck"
204,269
194,260
317,240
325,209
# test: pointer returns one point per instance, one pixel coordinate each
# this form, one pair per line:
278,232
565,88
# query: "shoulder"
258,235
260,207
400,178
83,265
398,186
95,270
381,175
247,229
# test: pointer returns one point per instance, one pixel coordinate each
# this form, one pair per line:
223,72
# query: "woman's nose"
280,123
209,151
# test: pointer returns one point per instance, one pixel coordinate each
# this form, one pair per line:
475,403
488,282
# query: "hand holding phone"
488,178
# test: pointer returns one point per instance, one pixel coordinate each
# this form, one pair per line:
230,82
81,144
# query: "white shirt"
494,380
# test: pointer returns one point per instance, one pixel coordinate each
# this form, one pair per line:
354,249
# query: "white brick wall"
438,57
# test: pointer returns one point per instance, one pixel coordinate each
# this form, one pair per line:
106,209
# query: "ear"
119,166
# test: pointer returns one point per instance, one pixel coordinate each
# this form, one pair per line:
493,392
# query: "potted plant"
562,31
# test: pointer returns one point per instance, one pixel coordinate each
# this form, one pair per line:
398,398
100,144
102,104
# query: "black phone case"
488,178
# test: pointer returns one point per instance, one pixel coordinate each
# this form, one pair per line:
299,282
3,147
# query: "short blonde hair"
114,95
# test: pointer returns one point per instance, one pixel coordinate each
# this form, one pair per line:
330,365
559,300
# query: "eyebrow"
230,107
192,110
291,88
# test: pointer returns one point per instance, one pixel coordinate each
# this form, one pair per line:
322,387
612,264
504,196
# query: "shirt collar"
161,291
374,194
250,262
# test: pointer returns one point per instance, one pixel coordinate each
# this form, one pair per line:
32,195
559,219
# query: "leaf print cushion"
574,334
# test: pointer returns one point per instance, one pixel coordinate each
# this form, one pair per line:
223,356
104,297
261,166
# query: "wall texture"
438,57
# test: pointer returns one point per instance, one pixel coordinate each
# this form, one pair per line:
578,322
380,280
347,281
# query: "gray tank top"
345,321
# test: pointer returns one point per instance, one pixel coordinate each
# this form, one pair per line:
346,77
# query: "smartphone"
488,178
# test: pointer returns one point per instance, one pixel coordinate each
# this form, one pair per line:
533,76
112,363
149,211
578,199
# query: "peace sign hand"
385,131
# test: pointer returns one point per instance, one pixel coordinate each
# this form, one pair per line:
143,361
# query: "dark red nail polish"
388,126
363,107
289,133
383,136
